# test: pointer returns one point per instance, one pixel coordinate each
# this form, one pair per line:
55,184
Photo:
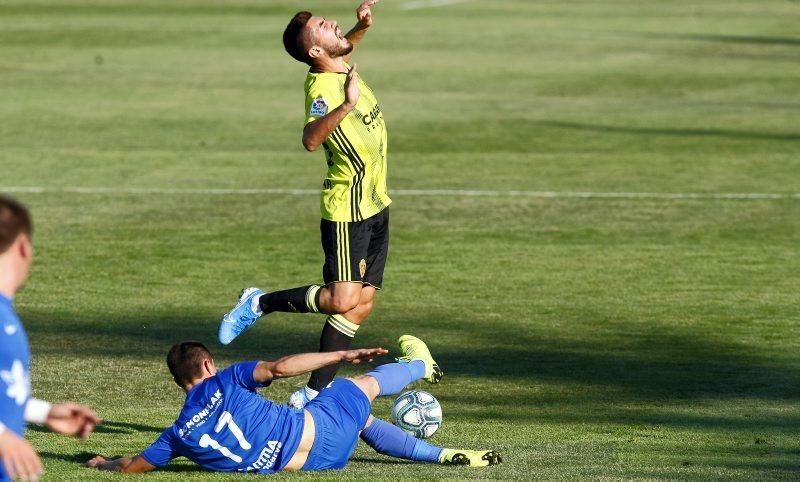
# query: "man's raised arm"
316,132
364,16
293,365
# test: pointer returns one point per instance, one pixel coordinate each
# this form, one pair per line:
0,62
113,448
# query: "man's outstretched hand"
95,461
364,14
367,354
18,457
351,89
72,419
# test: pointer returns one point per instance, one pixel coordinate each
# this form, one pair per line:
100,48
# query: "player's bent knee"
364,309
369,421
343,305
368,385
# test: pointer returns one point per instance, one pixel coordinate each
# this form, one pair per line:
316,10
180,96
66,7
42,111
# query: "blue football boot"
240,317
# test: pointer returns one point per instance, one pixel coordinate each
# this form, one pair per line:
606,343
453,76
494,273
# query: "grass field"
582,337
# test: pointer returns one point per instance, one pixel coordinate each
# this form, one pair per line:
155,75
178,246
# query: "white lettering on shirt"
267,457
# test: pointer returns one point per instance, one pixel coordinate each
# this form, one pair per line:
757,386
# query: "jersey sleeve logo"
319,107
17,382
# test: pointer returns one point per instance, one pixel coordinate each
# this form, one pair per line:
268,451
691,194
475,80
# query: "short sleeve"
242,374
14,370
324,93
13,392
164,449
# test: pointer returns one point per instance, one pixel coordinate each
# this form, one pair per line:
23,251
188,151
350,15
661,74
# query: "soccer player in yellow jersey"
344,117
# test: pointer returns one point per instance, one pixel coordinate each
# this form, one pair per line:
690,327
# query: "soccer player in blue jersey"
225,426
17,457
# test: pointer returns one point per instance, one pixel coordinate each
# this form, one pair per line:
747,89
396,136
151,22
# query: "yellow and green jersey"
355,186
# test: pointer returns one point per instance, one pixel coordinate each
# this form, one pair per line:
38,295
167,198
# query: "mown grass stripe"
744,196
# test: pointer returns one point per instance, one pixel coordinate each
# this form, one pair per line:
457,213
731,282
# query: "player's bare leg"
343,299
347,305
337,334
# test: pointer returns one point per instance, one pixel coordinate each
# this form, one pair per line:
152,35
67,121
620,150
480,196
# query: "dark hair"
293,37
14,220
185,361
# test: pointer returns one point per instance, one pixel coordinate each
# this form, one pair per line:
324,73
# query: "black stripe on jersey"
337,140
355,195
360,180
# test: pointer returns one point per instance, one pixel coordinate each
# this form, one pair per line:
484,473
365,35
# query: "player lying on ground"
343,116
226,426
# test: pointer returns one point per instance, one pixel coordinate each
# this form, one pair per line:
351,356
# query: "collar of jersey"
5,300
326,72
194,388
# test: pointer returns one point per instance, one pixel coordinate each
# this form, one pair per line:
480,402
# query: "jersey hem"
288,458
346,281
348,220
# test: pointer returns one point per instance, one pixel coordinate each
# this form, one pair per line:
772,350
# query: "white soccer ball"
417,413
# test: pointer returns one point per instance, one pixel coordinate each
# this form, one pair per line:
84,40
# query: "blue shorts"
340,412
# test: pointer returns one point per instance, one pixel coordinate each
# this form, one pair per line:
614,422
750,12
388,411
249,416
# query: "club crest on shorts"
362,267
318,107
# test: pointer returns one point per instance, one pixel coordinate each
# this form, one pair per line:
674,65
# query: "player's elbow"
269,370
281,370
309,139
309,144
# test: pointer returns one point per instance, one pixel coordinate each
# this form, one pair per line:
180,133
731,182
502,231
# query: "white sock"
311,393
256,306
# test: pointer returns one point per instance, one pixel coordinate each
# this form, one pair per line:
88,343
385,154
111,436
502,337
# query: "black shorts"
356,251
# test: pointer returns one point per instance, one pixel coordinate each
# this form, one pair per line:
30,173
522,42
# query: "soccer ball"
417,413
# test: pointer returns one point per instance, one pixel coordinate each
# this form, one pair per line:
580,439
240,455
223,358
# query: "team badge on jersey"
319,107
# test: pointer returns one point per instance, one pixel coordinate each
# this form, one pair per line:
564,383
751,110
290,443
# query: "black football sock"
304,299
337,335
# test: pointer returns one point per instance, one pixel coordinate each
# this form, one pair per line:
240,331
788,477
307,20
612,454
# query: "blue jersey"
225,426
15,360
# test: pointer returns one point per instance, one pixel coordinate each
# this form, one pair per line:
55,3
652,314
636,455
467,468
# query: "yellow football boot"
472,458
415,349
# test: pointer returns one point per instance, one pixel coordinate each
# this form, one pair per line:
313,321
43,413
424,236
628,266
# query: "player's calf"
254,303
304,299
392,378
388,439
337,335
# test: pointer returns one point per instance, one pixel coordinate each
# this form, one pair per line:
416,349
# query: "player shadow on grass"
109,426
626,373
78,458
82,457
383,460
652,363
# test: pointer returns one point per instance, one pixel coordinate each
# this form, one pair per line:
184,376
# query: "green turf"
583,338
